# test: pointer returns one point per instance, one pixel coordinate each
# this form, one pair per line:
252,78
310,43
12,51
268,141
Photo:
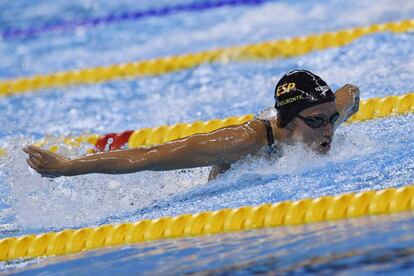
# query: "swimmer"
307,112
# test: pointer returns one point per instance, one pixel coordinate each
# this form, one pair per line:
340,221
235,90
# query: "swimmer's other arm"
347,102
221,147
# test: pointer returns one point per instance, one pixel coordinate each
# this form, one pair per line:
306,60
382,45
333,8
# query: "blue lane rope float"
125,16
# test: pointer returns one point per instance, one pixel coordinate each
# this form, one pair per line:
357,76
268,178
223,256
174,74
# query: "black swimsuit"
269,136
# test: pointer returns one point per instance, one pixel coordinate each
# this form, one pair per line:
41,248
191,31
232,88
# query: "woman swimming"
307,111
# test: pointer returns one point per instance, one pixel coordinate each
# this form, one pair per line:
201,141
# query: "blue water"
364,156
364,246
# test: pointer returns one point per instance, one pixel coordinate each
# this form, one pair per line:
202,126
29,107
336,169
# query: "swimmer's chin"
321,148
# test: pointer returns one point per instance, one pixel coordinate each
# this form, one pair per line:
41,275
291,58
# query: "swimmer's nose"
328,130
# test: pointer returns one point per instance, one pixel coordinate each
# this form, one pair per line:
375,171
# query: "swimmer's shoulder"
264,131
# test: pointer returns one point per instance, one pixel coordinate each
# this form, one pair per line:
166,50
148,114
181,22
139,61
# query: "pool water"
364,156
380,244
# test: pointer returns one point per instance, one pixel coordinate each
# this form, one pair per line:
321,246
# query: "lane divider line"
286,213
369,109
266,50
122,17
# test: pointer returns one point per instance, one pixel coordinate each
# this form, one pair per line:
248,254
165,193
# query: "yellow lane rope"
327,208
265,50
369,109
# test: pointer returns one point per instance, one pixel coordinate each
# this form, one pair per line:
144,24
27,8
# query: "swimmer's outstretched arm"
347,102
221,147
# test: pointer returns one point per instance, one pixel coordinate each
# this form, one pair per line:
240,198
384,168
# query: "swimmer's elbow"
223,151
247,145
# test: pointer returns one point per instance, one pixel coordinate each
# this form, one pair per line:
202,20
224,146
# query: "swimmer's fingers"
33,164
32,150
46,163
43,155
38,167
37,159
29,149
352,89
355,91
35,154
355,107
36,164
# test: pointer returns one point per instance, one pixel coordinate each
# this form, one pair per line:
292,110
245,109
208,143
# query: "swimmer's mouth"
326,143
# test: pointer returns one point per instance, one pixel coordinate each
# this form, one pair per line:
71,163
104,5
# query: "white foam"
42,203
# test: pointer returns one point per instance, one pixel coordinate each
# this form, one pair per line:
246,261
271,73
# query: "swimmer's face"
318,139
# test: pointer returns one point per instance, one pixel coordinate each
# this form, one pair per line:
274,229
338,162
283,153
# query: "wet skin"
219,148
318,139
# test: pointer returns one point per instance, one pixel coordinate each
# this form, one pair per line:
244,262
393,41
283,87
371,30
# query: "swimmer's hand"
45,162
353,91
347,102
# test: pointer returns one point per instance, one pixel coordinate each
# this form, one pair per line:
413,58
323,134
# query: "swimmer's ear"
290,126
278,122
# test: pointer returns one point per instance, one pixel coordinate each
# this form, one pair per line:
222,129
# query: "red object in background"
103,141
120,139
113,141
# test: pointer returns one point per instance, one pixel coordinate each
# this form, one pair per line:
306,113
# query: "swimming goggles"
318,121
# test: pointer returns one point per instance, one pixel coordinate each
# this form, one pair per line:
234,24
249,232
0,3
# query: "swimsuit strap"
269,133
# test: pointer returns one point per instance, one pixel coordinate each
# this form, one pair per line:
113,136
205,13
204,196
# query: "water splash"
359,160
38,203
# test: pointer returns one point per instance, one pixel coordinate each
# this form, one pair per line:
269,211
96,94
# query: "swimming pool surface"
364,156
